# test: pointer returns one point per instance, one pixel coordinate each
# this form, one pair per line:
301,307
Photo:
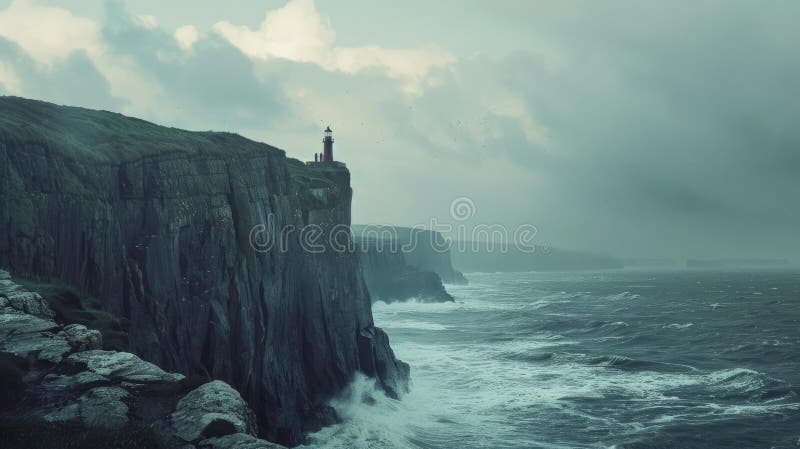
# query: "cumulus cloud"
297,32
52,35
186,36
47,34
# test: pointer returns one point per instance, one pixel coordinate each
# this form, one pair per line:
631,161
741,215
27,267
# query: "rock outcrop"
197,239
71,384
211,410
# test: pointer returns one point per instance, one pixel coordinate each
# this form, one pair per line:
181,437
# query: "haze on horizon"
637,128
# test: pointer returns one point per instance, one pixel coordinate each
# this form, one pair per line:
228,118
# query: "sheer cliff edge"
158,224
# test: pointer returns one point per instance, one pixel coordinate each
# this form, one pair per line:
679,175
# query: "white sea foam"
414,305
622,296
413,324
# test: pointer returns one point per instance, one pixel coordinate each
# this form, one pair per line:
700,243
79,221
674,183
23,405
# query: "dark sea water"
624,359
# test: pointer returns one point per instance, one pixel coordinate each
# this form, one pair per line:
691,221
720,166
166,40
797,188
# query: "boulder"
22,300
29,337
212,409
123,366
81,338
98,407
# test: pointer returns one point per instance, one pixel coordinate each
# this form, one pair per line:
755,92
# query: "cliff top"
86,134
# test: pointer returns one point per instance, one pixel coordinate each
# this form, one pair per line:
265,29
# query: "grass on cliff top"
31,433
79,133
72,307
308,176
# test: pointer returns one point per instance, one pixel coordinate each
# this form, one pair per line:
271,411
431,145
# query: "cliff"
390,278
423,249
159,223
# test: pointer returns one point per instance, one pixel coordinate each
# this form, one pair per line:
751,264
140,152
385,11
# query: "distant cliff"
422,249
390,278
157,223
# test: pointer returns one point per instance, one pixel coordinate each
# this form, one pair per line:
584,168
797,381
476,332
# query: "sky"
634,127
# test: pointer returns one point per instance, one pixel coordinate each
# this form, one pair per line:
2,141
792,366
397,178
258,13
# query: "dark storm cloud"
669,114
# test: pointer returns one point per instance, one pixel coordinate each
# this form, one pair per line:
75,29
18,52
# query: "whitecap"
621,296
411,324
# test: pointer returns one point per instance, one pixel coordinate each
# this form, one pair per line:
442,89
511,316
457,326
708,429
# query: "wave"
413,324
622,296
415,305
371,420
736,379
742,382
629,364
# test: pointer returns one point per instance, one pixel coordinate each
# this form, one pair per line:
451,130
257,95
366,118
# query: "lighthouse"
327,146
325,160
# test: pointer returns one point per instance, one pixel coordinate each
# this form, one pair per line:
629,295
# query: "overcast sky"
651,129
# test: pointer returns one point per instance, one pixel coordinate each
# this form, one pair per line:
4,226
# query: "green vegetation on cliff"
80,133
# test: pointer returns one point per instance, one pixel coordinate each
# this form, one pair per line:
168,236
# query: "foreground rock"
213,409
82,338
63,381
195,240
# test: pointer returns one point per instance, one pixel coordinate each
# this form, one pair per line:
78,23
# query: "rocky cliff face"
423,249
390,278
159,223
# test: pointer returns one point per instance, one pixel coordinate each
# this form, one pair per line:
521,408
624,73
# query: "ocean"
616,359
